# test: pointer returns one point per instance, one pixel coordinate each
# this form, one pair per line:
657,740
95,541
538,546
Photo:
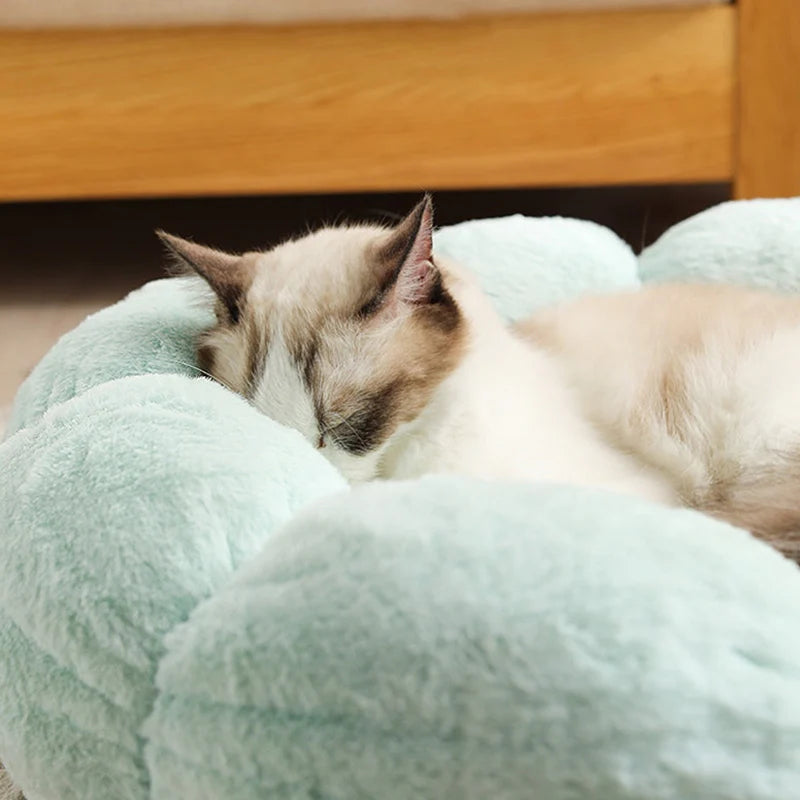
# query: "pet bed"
193,605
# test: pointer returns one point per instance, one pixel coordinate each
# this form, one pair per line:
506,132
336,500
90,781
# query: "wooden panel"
590,98
768,152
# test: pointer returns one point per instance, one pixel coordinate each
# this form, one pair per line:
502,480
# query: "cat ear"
409,252
228,275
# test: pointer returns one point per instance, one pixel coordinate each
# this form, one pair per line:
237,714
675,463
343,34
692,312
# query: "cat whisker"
202,372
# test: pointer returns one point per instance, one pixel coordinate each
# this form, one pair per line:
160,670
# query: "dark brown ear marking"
412,277
228,275
413,232
404,264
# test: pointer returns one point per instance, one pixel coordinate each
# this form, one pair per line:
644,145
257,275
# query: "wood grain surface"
768,147
564,99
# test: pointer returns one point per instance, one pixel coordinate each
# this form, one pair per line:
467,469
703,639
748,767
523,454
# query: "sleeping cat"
395,364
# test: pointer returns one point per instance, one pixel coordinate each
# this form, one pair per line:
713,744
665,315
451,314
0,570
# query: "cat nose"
321,441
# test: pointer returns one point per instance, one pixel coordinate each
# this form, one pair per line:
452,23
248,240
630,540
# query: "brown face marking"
257,344
366,427
304,353
407,369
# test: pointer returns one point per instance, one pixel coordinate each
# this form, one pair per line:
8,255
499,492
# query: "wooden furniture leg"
767,162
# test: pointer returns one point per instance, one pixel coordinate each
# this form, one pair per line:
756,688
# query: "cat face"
343,334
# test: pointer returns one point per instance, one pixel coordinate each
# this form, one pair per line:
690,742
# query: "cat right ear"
408,257
230,276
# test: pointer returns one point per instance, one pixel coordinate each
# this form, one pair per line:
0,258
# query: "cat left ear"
409,252
230,276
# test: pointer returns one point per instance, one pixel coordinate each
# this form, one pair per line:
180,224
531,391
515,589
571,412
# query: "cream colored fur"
698,381
683,395
508,412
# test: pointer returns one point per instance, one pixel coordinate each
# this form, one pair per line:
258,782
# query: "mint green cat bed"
193,605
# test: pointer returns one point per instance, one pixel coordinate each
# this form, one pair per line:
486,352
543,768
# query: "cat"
393,362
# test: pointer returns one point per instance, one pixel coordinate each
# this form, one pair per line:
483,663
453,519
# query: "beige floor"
52,277
31,328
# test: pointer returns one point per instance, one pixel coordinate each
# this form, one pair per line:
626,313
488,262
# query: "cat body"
506,412
699,382
395,364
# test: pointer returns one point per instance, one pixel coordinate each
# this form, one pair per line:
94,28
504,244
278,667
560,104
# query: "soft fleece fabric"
193,605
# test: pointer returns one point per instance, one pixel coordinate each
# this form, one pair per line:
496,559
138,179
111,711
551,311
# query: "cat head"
343,334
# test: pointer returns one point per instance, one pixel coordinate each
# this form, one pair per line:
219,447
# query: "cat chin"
355,468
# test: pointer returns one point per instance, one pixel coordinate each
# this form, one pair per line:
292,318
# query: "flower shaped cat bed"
193,605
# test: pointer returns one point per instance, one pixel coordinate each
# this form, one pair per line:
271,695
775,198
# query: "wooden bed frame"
678,95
